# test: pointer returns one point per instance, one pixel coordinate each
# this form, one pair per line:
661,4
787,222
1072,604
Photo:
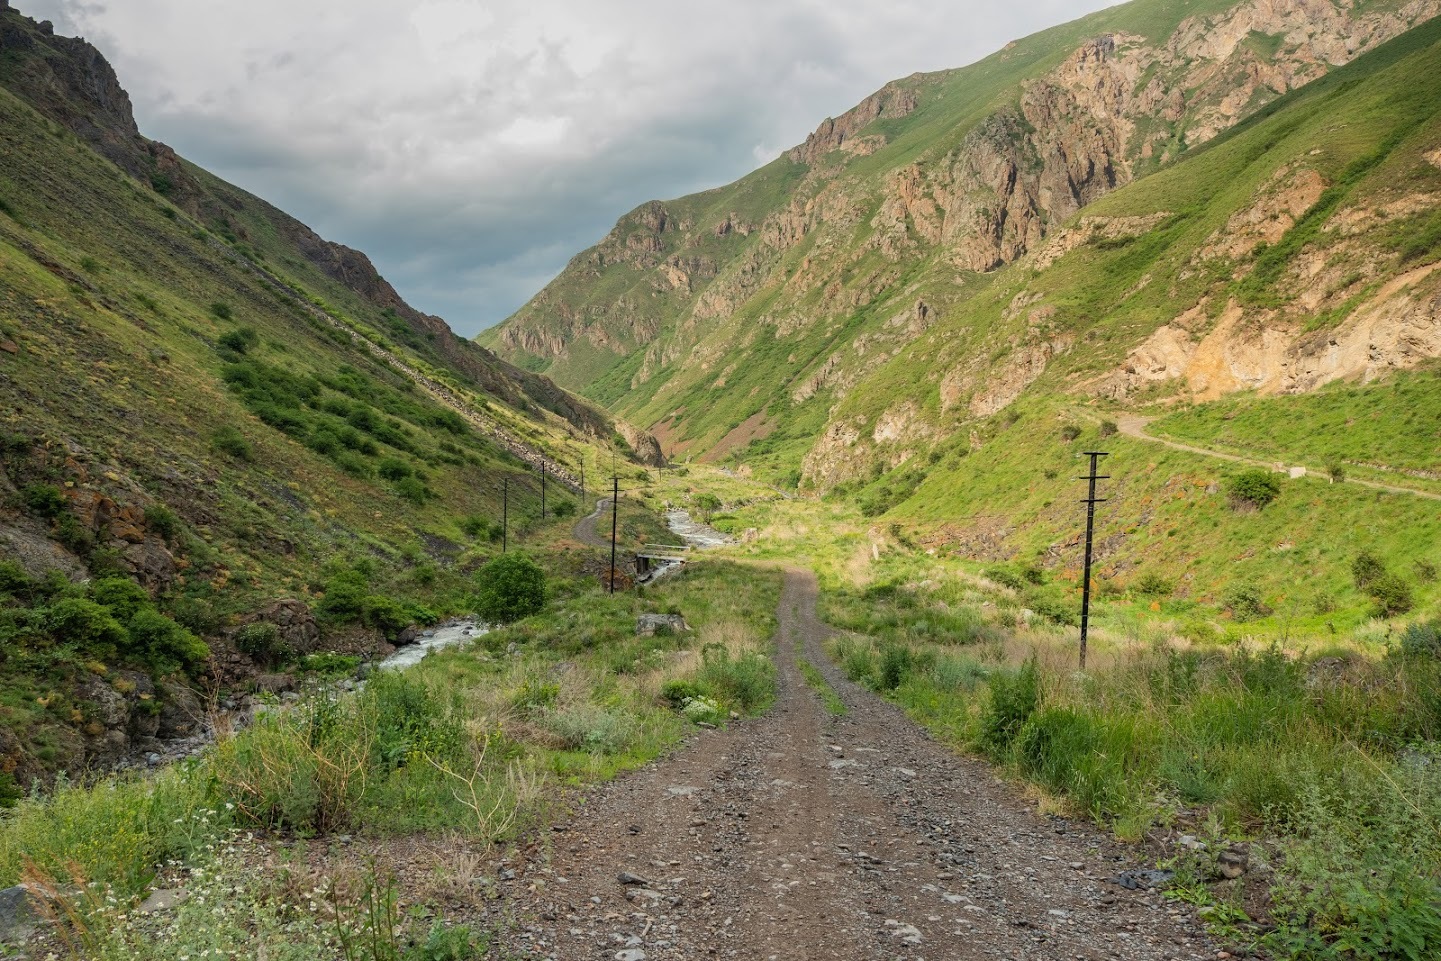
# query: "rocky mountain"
780,314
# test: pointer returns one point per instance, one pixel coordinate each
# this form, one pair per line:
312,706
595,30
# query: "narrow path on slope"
1134,425
804,836
585,529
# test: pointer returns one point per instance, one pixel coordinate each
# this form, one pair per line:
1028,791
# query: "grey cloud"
471,148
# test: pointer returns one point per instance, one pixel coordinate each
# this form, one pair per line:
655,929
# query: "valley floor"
805,834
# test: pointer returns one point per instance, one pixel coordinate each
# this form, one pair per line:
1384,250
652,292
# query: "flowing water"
443,635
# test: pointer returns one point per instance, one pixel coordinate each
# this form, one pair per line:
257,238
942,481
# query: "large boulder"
17,915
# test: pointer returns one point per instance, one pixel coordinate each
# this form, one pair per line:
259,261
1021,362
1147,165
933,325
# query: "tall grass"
1335,758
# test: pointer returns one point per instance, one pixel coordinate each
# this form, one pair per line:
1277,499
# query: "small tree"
707,504
1252,489
511,587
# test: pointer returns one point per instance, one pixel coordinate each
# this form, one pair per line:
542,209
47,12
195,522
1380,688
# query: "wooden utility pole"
505,515
1091,501
614,513
542,491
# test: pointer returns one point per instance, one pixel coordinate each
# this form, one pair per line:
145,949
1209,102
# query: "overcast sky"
471,147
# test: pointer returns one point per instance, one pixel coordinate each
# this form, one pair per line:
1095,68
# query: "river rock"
17,915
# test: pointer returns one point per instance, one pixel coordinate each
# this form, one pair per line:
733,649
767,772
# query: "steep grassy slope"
747,312
197,399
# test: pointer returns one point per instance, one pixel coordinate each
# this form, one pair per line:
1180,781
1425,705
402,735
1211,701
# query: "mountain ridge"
919,187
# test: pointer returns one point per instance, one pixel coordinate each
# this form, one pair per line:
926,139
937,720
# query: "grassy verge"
470,743
1328,759
829,699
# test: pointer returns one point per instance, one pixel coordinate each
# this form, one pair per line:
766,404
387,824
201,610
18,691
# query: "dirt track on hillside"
586,530
800,835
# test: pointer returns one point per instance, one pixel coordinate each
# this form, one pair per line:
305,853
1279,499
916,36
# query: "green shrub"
510,587
262,643
1052,605
413,490
1252,489
1015,697
162,520
76,537
165,643
1392,594
747,682
230,441
385,615
393,469
239,340
1152,584
1108,428
13,579
10,790
86,624
676,692
480,528
1422,639
1070,432
1007,577
1245,602
1365,569
1336,470
344,598
222,310
123,597
562,508
44,500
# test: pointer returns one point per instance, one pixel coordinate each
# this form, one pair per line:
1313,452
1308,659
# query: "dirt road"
804,836
1134,425
586,530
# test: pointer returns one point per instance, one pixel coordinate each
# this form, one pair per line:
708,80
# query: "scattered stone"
625,877
649,625
1191,843
163,899
1232,863
630,954
1139,879
908,933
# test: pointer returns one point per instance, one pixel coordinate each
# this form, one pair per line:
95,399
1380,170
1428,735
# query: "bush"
1422,639
230,441
1015,697
261,642
13,579
1336,470
239,340
511,587
1070,432
1392,594
393,469
222,310
1365,569
1152,584
123,597
44,500
414,490
1108,428
1245,602
162,520
86,624
746,682
1252,489
165,643
479,528
676,692
562,508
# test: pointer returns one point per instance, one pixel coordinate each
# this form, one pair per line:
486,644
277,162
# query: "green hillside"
191,403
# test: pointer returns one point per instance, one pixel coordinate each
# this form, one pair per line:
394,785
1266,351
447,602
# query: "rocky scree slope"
742,315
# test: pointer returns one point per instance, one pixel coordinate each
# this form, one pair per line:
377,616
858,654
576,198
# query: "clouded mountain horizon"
472,149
